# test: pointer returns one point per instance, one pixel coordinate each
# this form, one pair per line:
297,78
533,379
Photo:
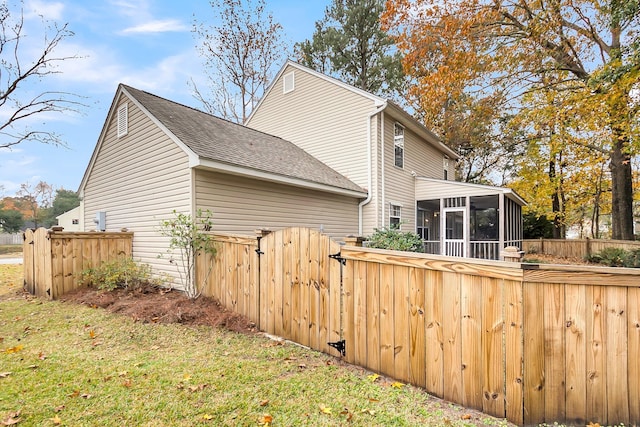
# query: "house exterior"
71,220
154,156
408,172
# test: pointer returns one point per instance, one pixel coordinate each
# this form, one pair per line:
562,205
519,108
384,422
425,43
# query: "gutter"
370,166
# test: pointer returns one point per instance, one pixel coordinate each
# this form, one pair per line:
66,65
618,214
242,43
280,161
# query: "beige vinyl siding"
241,205
326,120
420,159
429,190
138,180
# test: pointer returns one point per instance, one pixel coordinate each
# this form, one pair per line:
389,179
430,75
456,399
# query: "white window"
288,82
123,121
398,145
445,165
395,216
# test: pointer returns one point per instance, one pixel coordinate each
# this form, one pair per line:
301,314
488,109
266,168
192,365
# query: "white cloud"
158,26
48,10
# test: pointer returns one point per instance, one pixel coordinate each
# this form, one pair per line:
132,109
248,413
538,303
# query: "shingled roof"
219,140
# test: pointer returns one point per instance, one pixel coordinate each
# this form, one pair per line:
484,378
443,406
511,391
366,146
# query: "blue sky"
146,44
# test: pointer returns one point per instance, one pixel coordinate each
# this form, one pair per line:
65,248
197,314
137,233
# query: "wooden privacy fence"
575,248
52,259
530,343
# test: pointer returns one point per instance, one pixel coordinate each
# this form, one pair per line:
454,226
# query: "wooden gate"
300,287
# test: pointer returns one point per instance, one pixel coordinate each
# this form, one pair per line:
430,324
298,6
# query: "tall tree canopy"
23,64
502,51
350,44
240,52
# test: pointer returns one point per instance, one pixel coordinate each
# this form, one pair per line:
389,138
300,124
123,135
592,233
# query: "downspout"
382,192
370,166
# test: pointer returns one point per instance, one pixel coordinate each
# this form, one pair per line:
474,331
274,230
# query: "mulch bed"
149,304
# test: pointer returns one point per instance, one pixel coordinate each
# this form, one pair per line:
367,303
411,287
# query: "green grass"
63,364
10,249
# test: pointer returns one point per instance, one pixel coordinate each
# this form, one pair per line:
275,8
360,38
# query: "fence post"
588,248
512,254
354,240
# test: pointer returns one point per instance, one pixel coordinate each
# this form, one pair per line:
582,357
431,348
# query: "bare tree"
37,197
20,71
239,54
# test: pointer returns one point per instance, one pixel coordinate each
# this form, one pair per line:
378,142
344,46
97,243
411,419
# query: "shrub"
122,273
617,257
394,239
189,237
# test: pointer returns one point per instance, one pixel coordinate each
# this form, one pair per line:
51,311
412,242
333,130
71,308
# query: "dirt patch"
150,304
552,259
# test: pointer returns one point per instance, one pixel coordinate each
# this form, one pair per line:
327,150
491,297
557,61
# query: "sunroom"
467,220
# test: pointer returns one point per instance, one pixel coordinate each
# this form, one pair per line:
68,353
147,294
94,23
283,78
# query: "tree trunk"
621,191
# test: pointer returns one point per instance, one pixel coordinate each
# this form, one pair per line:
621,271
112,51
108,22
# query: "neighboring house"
71,220
155,156
408,172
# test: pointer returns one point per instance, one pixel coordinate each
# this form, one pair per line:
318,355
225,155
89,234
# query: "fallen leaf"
302,366
32,367
58,408
127,382
4,374
264,402
107,378
373,377
13,419
75,393
200,387
324,409
265,419
186,377
371,399
123,374
13,349
85,396
56,420
368,411
92,334
593,425
207,417
42,356
466,416
397,385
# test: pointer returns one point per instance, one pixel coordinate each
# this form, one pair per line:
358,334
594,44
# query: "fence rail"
575,248
52,259
531,343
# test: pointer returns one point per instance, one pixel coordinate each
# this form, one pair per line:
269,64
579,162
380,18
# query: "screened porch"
467,220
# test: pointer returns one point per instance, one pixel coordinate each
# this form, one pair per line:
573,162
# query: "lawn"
67,364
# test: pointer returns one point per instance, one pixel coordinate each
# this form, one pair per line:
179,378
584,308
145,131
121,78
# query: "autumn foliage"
555,78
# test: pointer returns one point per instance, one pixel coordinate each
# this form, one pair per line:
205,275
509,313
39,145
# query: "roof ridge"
202,112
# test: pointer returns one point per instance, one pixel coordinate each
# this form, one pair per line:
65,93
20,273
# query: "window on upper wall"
445,165
398,145
288,82
395,216
123,120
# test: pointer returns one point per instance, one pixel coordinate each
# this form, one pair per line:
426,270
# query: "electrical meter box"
101,221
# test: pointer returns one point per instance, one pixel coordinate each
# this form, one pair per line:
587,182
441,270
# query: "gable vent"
123,120
288,82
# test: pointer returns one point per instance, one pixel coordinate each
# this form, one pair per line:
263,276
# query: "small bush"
122,273
394,239
616,257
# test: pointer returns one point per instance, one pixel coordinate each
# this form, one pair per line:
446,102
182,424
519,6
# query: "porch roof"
431,188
